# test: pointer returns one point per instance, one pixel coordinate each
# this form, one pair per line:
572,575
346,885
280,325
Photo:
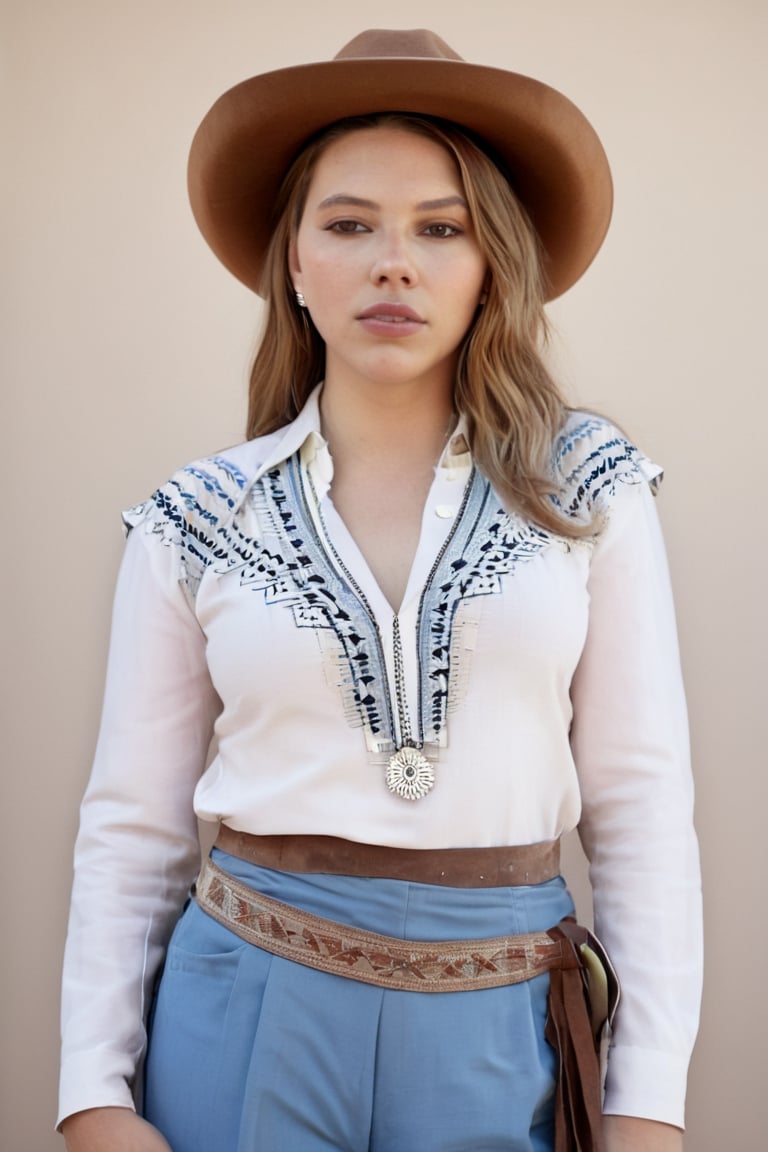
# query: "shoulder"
204,493
593,460
189,516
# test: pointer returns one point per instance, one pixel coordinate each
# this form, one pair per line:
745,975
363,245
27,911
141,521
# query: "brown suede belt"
443,966
453,867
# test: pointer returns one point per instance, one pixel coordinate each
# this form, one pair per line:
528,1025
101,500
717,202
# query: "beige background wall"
124,353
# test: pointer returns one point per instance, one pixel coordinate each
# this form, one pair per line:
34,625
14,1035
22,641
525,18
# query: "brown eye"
442,231
347,227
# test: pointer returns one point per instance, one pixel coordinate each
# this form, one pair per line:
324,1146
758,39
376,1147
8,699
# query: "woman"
425,609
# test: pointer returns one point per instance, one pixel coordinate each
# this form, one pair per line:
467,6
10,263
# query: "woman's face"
387,259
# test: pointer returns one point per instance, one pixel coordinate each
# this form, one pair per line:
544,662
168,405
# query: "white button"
445,511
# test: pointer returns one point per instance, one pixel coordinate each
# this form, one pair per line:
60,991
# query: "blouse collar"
304,435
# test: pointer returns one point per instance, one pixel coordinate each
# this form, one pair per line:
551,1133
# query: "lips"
391,313
387,321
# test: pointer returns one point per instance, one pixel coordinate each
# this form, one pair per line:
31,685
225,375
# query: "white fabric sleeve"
137,849
630,742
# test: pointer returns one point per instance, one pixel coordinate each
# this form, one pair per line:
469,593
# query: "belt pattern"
405,965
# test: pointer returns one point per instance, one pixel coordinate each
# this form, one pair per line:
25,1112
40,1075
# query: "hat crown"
416,43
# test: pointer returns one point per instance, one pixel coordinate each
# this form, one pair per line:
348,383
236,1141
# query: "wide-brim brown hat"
247,141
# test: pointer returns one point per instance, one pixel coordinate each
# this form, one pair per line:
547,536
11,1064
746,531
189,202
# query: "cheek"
470,275
474,281
325,275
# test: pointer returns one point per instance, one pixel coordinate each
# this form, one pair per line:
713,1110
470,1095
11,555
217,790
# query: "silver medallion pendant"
409,774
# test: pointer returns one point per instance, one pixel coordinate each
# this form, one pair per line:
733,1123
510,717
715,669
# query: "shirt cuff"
644,1083
94,1080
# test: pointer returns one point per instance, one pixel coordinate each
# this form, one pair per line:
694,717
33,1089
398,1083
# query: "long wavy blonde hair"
512,406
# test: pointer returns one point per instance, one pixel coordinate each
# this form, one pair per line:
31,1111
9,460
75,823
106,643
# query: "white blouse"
540,676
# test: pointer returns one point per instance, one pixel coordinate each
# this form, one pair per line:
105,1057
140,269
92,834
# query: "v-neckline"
439,516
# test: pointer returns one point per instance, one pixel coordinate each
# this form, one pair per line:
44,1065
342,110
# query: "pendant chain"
406,738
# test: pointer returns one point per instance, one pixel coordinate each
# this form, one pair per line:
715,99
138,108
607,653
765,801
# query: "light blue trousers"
252,1053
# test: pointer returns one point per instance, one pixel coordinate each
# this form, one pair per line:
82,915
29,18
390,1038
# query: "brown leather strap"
452,867
578,1097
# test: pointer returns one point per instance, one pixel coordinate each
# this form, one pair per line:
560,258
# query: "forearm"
633,1134
111,1130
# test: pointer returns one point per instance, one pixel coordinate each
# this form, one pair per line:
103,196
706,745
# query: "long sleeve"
630,743
137,848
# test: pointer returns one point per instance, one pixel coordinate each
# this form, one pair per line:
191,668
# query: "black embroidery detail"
297,573
195,513
488,544
186,512
590,459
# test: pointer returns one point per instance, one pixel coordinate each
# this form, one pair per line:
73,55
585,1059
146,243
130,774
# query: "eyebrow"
423,206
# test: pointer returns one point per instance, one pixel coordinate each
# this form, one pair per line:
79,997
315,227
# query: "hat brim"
247,141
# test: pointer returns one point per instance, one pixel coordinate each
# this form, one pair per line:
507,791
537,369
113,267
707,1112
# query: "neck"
386,423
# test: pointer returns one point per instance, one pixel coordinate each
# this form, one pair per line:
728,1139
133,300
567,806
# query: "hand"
633,1134
111,1130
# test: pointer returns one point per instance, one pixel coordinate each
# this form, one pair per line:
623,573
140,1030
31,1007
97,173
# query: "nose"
393,262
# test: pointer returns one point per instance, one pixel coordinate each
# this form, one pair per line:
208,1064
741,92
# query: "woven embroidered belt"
407,965
453,867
